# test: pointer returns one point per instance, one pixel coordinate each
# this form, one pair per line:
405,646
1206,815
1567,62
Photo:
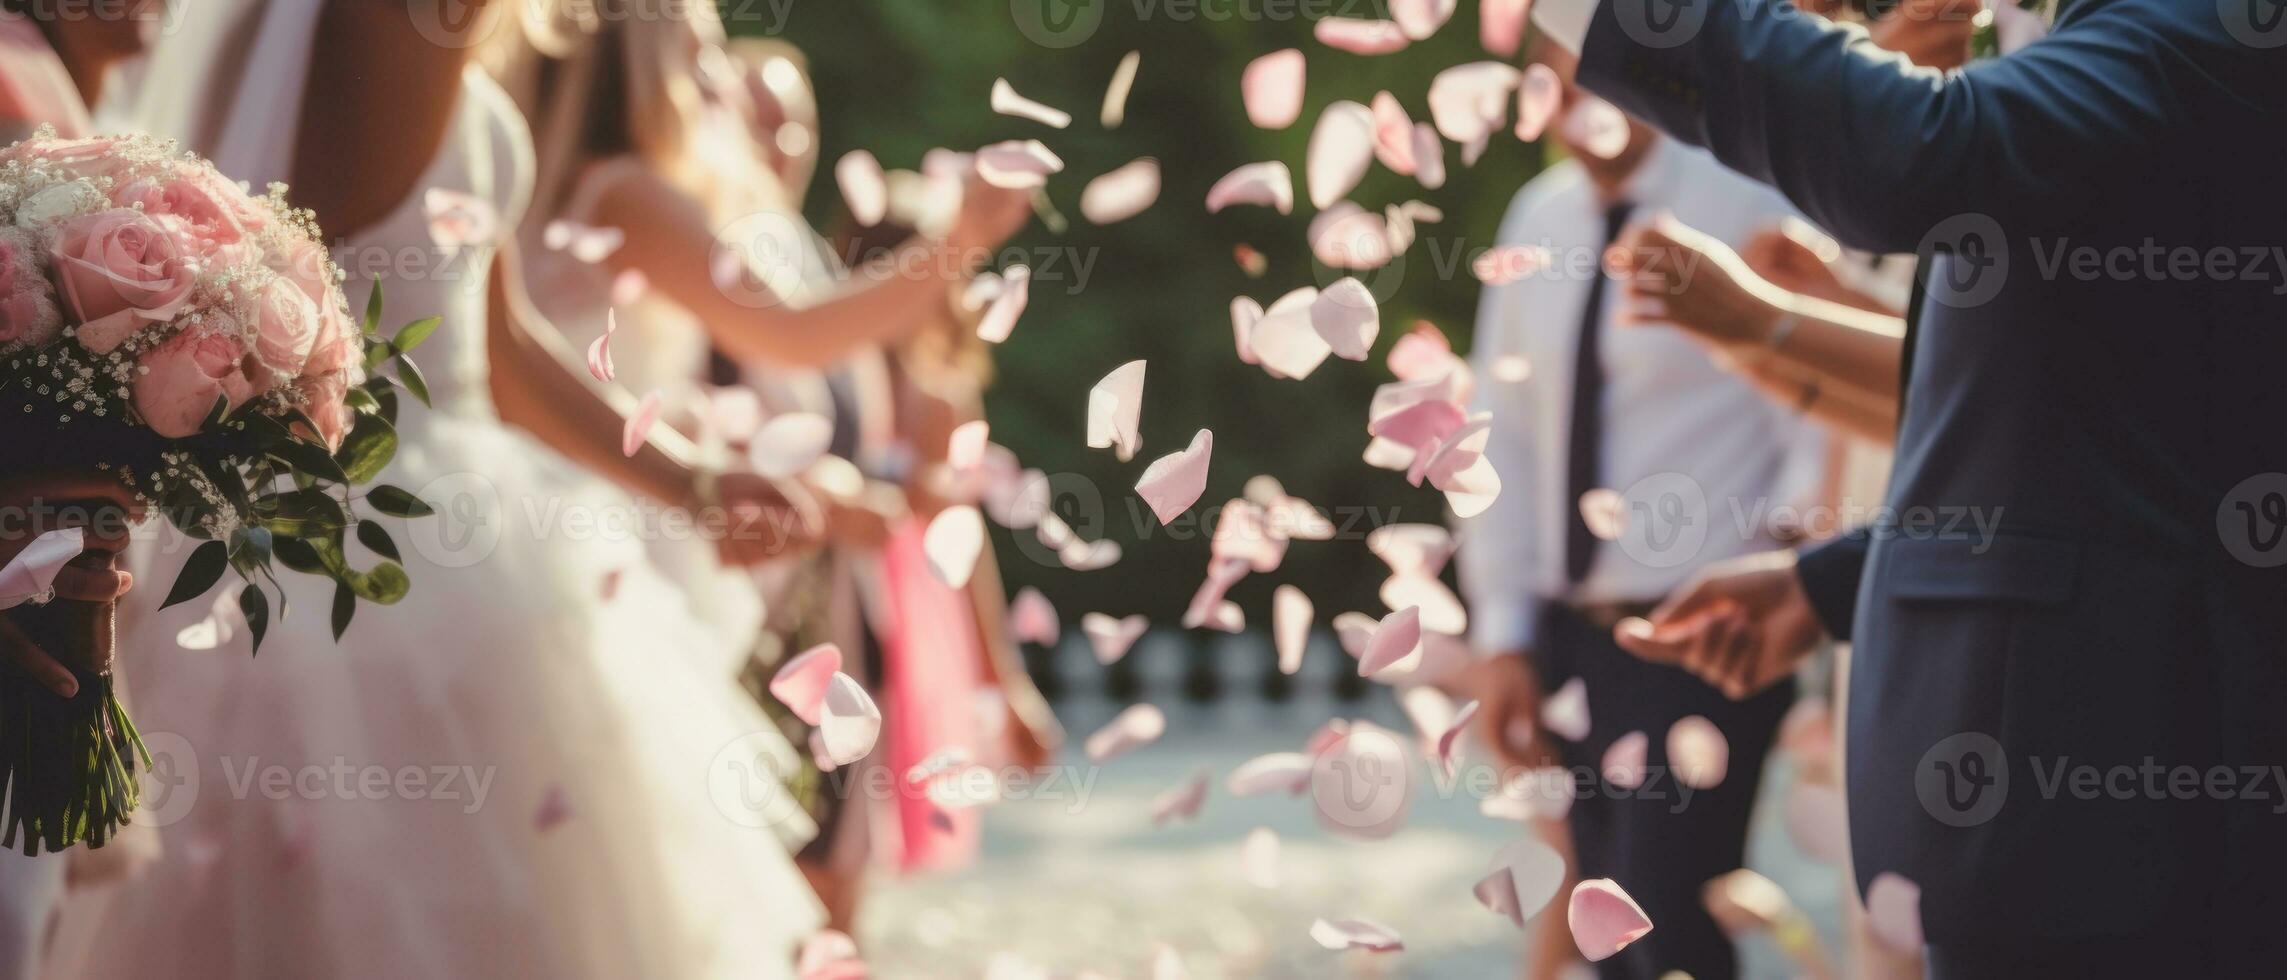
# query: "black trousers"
1661,841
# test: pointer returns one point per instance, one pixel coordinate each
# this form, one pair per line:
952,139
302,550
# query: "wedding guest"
556,827
2119,607
1642,412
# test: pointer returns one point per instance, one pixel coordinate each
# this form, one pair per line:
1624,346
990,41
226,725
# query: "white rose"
68,199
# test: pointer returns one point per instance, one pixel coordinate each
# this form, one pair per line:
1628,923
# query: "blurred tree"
898,77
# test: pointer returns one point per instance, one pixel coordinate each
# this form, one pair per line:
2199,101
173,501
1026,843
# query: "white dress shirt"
1701,458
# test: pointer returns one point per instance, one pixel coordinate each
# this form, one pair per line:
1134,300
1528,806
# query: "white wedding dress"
514,772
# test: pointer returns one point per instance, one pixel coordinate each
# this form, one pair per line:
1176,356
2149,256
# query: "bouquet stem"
67,765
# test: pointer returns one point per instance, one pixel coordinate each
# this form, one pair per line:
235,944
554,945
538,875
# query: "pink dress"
929,685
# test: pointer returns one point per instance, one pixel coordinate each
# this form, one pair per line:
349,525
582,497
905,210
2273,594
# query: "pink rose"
120,271
209,213
92,155
286,329
326,402
181,379
340,346
28,315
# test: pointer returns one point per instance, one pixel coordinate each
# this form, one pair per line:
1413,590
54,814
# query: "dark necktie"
1584,450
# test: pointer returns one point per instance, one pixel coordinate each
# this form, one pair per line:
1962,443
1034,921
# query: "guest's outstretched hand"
1740,625
989,216
1679,275
1508,696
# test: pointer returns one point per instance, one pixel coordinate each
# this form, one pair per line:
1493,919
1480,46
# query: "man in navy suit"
2068,719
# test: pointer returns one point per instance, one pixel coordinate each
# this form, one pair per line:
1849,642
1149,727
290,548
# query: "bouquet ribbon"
31,576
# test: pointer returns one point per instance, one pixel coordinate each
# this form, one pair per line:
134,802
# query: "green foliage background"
898,77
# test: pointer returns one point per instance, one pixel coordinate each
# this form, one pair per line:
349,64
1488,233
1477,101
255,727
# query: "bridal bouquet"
161,324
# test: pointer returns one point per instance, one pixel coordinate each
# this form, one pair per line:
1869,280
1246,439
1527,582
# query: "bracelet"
1788,324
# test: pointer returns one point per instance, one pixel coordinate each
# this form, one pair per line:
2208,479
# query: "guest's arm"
1877,150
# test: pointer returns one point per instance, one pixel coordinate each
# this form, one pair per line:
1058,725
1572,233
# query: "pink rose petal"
1365,934
1285,341
802,681
1290,626
1441,610
1420,19
1566,712
1138,726
1250,260
1205,602
1505,264
1412,550
1347,236
1624,760
1032,618
1245,313
599,353
1115,110
1269,184
1341,148
1110,638
1361,783
848,721
1360,36
1604,919
1115,411
1243,533
1121,194
1182,802
952,543
1422,353
1538,99
1428,156
1539,794
1259,858
1017,164
1008,103
1605,512
1172,483
629,286
1000,318
1272,88
637,430
1501,25
1526,875
789,443
1393,134
1597,127
458,219
1449,740
1894,912
865,188
1468,102
1347,318
1332,732
829,955
1089,556
1395,638
1278,772
1698,752
1353,630
965,448
584,243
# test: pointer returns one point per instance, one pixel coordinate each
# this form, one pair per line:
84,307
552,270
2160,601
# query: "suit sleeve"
1830,573
1878,151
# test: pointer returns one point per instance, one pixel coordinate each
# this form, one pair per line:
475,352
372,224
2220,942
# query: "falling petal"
1278,772
637,431
1115,109
1138,726
965,449
939,763
1894,912
1115,411
1269,184
1347,236
1624,760
1421,18
1272,88
1341,147
1111,638
1422,353
458,219
1539,794
1441,610
1505,264
1121,194
1538,99
952,543
801,683
628,286
1501,25
1008,103
1221,575
1243,534
1604,919
1182,802
1365,934
1428,156
1250,259
1396,637
1019,502
1017,164
1468,102
1333,732
1393,134
1245,313
864,187
584,243
599,353
829,955
1360,782
1597,127
1089,556
1526,876
1512,368
1290,625
1347,318
1000,317
1354,629
1412,550
788,444
1698,752
1172,483
1032,619
848,722
1285,341
1259,858
1449,740
1566,712
1605,512
1360,36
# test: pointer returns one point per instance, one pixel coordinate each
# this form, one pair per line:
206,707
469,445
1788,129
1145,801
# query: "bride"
513,772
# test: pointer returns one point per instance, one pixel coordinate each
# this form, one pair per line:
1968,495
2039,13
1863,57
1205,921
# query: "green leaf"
256,606
204,568
409,375
345,606
397,503
373,309
376,539
307,513
363,402
311,459
215,415
299,555
386,584
414,333
250,549
378,353
369,447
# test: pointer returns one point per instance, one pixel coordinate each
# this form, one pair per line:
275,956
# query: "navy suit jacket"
2082,567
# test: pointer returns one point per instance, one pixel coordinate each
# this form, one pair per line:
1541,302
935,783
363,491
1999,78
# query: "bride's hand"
762,519
34,504
989,217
